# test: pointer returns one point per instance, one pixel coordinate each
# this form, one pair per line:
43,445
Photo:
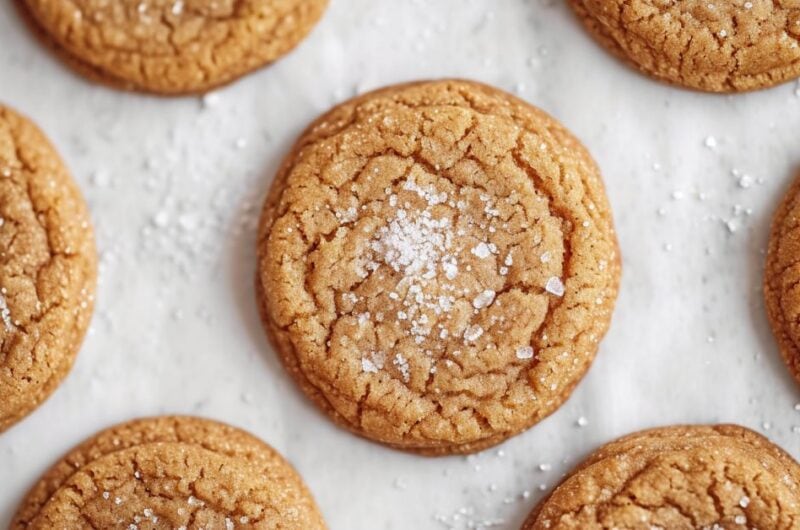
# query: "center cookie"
172,46
437,264
712,45
170,473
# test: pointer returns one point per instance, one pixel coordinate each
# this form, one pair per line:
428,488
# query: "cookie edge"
771,282
752,84
97,75
617,446
67,362
55,476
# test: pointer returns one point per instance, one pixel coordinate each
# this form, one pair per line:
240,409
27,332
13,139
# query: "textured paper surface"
175,186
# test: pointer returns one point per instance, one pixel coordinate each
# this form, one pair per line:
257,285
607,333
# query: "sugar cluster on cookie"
437,264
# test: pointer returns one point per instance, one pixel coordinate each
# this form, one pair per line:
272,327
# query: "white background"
175,188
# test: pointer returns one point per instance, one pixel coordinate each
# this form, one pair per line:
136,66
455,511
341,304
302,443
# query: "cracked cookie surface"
782,278
683,477
47,268
711,45
437,264
168,473
172,46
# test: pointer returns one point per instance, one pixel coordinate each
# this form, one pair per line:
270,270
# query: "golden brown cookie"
171,46
437,264
711,45
48,268
168,473
782,276
684,477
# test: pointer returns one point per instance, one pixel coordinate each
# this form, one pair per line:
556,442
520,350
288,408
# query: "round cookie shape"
48,268
781,275
437,264
682,477
170,472
172,46
715,46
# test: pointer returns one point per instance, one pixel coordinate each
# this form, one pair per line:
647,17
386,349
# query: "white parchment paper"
175,186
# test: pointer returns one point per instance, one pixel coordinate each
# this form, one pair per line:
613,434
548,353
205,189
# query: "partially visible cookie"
172,46
167,473
711,45
437,265
48,268
782,278
683,477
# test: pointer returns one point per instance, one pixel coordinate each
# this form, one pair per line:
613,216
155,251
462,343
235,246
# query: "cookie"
171,46
48,267
170,472
683,477
715,46
781,277
437,264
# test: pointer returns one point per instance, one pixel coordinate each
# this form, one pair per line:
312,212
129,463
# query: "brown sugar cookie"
781,277
167,473
683,477
437,264
171,46
711,45
48,268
